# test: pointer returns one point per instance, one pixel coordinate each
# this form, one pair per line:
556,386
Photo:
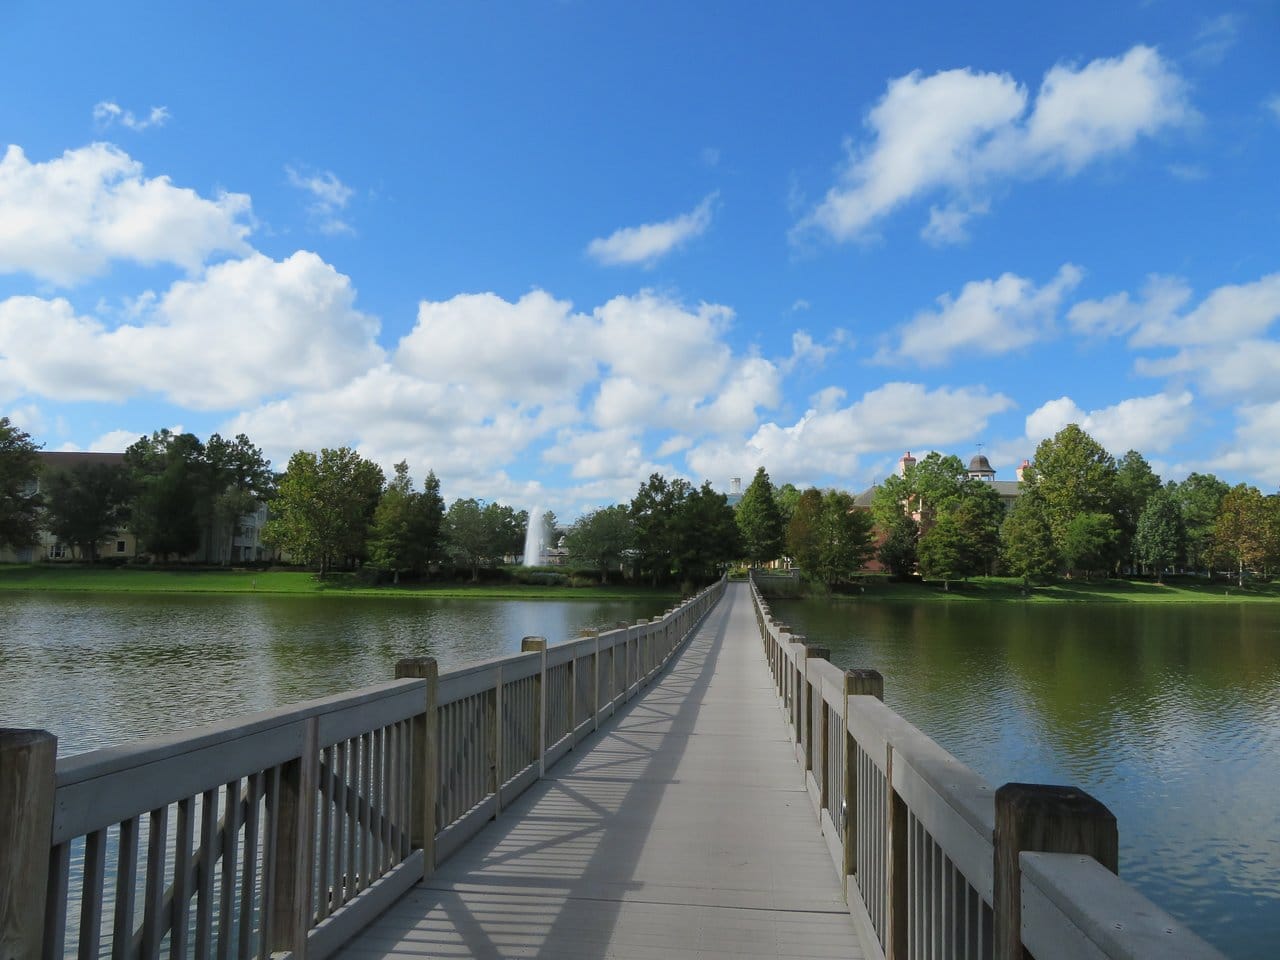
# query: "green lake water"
1170,715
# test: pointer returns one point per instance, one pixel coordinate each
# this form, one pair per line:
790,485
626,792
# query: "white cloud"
248,329
107,113
1253,449
1226,315
828,440
988,317
650,242
29,418
957,131
1216,37
66,219
807,353
1153,423
1272,104
329,197
116,441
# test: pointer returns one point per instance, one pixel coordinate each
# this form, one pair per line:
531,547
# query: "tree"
652,512
897,553
1241,534
844,538
601,538
760,521
926,487
235,477
1135,483
787,498
19,501
167,472
942,552
978,512
430,518
1160,539
477,534
705,534
1088,542
1026,542
1200,497
395,537
325,506
1074,475
804,530
87,504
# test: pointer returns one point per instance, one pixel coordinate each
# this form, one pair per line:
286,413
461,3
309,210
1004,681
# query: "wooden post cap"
868,683
814,652
532,644
417,668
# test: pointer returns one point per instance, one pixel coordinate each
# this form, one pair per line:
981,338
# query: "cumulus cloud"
829,439
1253,450
808,353
247,329
107,112
650,242
957,132
329,198
65,219
1153,423
988,317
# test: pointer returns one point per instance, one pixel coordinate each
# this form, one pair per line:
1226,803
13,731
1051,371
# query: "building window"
119,546
57,551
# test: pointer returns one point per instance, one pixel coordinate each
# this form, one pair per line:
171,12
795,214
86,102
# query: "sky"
548,248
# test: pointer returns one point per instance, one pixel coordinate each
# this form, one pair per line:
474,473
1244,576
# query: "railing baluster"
234,802
205,873
184,836
95,863
249,877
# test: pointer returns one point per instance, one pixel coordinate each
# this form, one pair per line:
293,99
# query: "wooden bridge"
701,785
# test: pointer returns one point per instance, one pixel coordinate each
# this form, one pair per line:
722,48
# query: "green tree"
168,477
653,514
19,501
1075,476
978,512
927,486
87,504
234,478
1135,483
1200,497
325,506
705,534
430,519
1088,542
1026,542
395,537
601,538
1160,539
804,530
844,539
787,497
466,535
760,520
942,550
897,552
1241,534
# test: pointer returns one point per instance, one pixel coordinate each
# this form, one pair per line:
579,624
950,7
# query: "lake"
102,669
1169,714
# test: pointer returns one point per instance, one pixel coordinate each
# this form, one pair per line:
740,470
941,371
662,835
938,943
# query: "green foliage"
477,534
325,506
927,487
1026,541
87,504
1075,476
406,525
1088,542
829,538
898,551
652,512
706,535
1135,484
1160,539
19,502
760,520
804,530
978,512
234,477
1200,497
943,553
1242,531
601,538
787,498
168,471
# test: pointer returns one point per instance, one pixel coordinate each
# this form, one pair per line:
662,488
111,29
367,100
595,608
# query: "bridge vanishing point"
701,785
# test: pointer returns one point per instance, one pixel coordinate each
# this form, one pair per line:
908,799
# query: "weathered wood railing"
285,832
934,862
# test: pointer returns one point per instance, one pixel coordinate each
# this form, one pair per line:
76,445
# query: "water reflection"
100,670
1169,715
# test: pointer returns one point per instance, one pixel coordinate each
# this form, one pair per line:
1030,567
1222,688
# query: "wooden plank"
28,760
328,936
180,909
95,864
209,830
153,918
424,768
290,897
233,802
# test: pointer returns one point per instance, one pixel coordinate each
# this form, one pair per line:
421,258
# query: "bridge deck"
682,831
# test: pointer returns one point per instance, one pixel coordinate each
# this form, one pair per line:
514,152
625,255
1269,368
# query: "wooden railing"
933,861
285,832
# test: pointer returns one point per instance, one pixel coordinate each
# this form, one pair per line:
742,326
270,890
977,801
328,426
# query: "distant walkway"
683,830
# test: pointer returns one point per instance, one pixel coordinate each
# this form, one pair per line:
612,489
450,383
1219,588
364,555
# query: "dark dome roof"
980,464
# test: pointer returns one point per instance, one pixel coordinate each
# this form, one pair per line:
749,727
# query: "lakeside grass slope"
47,578
1009,589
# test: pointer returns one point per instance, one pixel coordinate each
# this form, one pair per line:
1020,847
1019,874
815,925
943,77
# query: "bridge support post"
539,645
1049,819
424,766
27,763
856,683
290,897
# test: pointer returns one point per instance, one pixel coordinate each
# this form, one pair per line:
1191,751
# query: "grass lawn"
1006,589
45,577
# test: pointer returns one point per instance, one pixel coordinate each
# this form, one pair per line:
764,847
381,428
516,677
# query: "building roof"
67,459
1008,488
864,498
980,464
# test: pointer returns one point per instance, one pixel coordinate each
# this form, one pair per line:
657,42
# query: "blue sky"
548,248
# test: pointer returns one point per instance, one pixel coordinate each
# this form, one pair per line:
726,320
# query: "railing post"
815,740
1048,819
896,894
595,686
290,898
856,683
494,747
28,759
424,775
539,645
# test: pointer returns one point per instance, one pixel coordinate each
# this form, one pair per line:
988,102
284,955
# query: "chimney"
735,485
906,460
1022,469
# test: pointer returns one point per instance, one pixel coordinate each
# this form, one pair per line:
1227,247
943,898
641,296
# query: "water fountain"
535,538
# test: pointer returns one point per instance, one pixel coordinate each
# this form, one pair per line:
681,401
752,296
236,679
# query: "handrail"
933,860
284,832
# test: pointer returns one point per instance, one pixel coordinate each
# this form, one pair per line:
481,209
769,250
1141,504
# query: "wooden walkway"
683,830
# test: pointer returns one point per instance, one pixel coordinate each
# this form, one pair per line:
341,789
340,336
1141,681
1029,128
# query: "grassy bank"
48,578
1009,590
